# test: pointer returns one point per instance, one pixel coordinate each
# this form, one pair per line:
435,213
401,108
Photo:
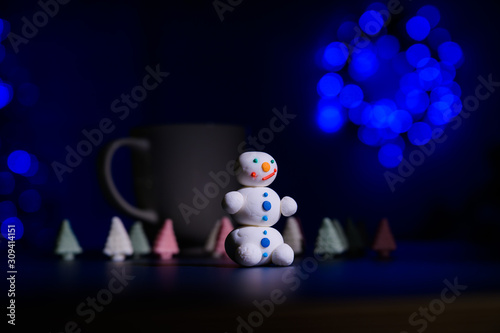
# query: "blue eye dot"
255,160
272,161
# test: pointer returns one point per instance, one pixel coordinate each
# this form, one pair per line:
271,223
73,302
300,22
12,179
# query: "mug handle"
109,185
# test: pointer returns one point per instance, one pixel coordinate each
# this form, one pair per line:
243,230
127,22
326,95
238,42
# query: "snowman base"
256,246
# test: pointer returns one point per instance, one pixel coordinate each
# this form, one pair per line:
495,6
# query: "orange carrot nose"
266,167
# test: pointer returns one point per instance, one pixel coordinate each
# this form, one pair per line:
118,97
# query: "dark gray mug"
180,172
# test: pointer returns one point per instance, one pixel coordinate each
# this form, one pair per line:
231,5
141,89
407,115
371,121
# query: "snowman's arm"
288,206
232,202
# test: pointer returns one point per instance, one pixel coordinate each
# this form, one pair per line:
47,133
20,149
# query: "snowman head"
256,168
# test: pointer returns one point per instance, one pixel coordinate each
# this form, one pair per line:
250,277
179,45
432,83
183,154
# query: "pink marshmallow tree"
166,243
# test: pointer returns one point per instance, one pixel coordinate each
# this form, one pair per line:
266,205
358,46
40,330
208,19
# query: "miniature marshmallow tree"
292,235
166,243
225,228
328,242
118,244
212,237
67,244
384,241
139,240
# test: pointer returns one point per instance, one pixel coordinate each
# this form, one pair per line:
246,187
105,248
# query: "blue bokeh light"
363,65
418,28
7,209
369,136
437,37
448,72
4,29
347,31
335,56
30,201
418,55
371,22
400,121
387,47
7,183
439,113
450,52
33,167
19,161
419,134
12,223
351,96
330,85
6,94
390,155
330,116
431,13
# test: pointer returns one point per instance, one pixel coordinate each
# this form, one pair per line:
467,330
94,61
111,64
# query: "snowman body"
257,207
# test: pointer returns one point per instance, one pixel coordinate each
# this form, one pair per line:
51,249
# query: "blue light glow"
416,101
336,55
431,13
437,37
390,155
378,115
419,134
371,22
417,55
450,52
387,47
27,94
351,96
369,136
4,229
4,29
6,94
19,161
330,115
418,28
430,75
448,72
30,201
7,209
7,183
330,85
439,113
346,32
455,88
400,121
363,65
33,167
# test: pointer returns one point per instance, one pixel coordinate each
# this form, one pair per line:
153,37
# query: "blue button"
265,232
265,194
265,218
265,242
266,205
264,254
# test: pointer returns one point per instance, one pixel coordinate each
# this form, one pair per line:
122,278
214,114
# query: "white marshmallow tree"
292,235
67,244
118,244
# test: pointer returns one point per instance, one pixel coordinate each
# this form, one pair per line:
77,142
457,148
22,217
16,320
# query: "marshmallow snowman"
257,207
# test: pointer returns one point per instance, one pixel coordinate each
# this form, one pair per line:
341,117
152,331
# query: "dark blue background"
236,71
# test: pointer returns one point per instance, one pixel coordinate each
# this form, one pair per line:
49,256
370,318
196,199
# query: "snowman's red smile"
269,175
